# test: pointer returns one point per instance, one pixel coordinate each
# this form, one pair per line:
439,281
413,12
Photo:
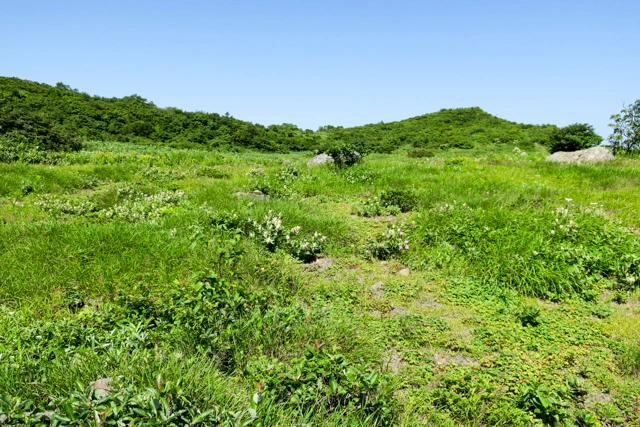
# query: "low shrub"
327,379
388,244
405,200
345,155
373,207
420,153
272,234
578,136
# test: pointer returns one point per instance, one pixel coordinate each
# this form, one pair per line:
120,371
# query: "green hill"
447,128
29,109
133,118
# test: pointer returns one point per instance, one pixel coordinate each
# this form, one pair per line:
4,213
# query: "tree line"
60,118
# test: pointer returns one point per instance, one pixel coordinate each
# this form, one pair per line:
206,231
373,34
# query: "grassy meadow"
476,287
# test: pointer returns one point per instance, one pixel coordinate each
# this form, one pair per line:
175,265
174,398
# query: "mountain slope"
459,128
133,118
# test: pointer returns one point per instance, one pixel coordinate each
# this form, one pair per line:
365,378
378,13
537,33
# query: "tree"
577,136
626,129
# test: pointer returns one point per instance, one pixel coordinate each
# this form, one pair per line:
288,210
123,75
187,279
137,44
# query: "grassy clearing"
476,287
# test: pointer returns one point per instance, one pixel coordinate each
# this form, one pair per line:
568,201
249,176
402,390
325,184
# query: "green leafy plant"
405,200
345,155
578,136
163,405
326,378
272,233
373,207
529,316
420,153
543,403
626,129
387,244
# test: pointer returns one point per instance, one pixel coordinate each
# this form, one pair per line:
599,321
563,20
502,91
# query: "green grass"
521,306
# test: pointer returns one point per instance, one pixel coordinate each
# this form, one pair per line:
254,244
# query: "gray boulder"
320,159
590,155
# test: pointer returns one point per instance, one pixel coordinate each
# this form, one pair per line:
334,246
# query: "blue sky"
346,63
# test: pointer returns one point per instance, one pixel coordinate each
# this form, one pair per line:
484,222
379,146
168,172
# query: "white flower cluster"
274,235
54,206
142,207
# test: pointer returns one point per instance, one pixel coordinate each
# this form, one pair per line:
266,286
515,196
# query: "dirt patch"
443,359
427,304
395,362
319,264
395,311
377,290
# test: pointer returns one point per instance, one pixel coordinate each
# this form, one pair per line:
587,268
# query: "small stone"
398,310
47,415
319,264
404,272
377,290
101,387
256,194
320,159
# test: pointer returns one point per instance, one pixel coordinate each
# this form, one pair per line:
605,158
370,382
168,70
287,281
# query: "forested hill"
26,105
459,128
133,118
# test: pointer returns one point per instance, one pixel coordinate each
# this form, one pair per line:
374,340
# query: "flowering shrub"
134,205
374,207
274,235
141,207
388,244
56,206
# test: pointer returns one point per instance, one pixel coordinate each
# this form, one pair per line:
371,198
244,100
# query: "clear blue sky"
345,62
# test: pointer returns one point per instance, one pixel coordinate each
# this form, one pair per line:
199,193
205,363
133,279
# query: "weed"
529,316
390,243
420,153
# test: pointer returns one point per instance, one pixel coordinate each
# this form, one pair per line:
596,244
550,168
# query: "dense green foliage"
456,128
578,136
473,288
626,129
70,115
133,118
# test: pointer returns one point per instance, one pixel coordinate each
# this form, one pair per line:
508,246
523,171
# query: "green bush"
387,244
578,136
405,200
345,155
327,379
420,153
33,131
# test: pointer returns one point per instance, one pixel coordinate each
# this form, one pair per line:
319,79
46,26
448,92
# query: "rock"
319,264
3,418
591,155
46,415
398,310
404,272
286,162
320,159
101,387
256,194
377,290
